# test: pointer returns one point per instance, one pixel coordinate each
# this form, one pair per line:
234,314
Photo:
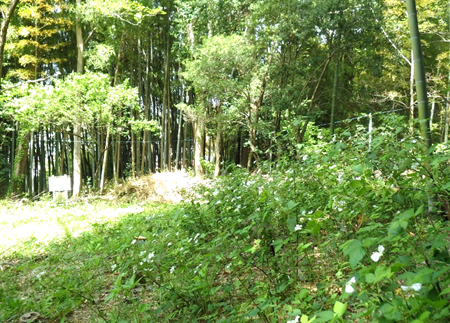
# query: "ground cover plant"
355,230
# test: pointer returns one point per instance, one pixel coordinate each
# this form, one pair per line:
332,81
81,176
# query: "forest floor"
273,247
54,258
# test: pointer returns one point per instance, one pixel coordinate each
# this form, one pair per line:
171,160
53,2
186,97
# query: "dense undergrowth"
352,231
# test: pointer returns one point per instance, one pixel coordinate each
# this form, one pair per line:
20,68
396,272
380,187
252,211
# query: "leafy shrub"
301,239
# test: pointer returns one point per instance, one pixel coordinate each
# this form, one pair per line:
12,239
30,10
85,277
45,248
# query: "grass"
61,260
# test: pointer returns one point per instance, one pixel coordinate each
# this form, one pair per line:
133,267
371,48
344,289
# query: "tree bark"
178,152
105,159
20,164
77,126
3,31
199,131
421,85
335,82
218,148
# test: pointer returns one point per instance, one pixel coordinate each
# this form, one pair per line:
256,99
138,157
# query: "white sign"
59,183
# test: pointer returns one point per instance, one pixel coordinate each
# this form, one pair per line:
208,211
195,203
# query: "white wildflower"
349,289
377,255
298,227
415,287
38,276
294,320
349,286
172,269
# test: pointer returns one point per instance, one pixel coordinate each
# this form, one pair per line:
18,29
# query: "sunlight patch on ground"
43,222
19,224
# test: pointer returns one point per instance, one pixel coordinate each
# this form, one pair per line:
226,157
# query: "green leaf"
370,278
303,293
291,205
397,228
390,312
304,319
445,291
254,312
278,244
358,169
339,308
324,316
291,222
110,296
382,272
356,183
354,249
407,215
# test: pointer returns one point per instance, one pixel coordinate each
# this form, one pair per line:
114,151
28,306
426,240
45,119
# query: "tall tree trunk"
447,102
42,172
183,163
199,131
335,82
421,85
105,159
133,154
165,121
421,88
118,136
178,152
447,108
218,148
77,126
20,164
411,94
4,30
31,166
253,117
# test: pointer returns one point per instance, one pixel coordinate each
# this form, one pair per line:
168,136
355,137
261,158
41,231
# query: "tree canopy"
225,81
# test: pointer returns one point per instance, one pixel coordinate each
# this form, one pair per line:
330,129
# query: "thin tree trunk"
178,152
118,136
183,163
421,89
133,154
105,160
447,108
31,165
218,148
447,103
335,82
77,126
421,85
12,150
411,95
42,172
20,164
4,30
199,131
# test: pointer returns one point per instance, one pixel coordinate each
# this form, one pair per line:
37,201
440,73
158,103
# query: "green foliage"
343,234
88,97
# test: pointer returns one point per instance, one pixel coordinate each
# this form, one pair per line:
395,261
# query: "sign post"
60,186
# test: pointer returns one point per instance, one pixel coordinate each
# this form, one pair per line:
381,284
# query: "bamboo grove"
105,90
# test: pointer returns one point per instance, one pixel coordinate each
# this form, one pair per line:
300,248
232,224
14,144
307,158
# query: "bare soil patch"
160,187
